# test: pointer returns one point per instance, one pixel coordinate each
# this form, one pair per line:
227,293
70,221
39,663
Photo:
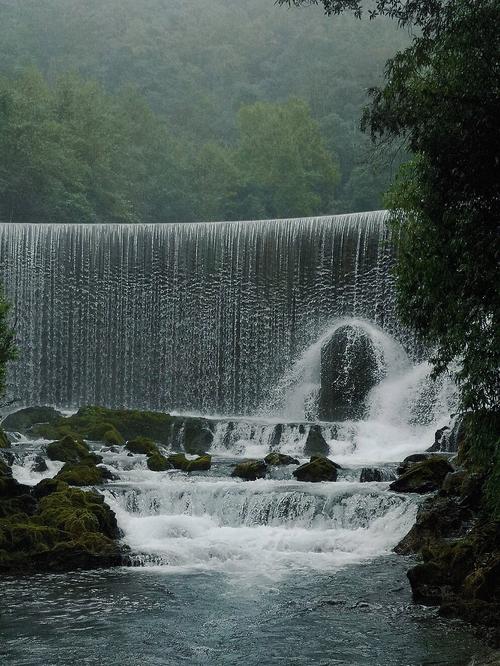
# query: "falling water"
193,317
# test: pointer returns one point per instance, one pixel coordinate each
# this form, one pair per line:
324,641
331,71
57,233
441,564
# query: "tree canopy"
184,74
442,101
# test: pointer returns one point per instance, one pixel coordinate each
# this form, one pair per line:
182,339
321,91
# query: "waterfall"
191,317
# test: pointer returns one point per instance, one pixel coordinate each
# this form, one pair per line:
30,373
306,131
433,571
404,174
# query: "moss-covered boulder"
82,474
405,465
199,464
141,445
63,528
276,459
423,477
317,469
39,464
250,470
71,450
23,420
315,443
198,436
156,462
4,440
178,461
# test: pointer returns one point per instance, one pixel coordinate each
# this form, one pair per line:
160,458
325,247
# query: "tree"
442,101
7,345
286,169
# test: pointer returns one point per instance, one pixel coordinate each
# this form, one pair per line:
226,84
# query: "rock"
197,436
441,440
158,463
315,443
369,474
141,445
52,527
24,419
200,464
250,470
349,370
70,450
39,465
423,477
454,483
178,461
81,474
276,459
318,469
4,440
410,460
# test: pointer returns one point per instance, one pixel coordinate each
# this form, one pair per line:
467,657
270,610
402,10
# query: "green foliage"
442,102
156,139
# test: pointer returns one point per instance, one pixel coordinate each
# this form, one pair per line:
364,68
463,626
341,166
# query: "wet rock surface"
317,469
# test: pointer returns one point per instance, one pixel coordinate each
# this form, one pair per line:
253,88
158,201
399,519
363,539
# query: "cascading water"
215,312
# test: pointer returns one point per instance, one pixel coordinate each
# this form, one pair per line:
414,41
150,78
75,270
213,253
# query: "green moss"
24,419
423,477
130,423
4,440
158,463
200,464
141,445
276,459
68,449
178,461
479,452
81,474
317,469
67,529
250,470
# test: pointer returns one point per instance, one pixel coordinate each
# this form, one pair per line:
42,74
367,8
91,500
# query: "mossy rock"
24,419
276,459
317,469
316,444
129,423
423,477
250,470
82,474
68,449
198,436
200,464
178,461
54,527
142,445
4,440
158,463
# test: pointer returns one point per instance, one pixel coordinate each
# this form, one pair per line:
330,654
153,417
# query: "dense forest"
199,110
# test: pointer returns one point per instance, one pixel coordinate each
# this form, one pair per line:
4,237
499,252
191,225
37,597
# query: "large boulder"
276,459
349,370
423,477
82,474
315,443
178,461
24,419
317,469
197,436
199,464
250,470
69,450
141,445
158,463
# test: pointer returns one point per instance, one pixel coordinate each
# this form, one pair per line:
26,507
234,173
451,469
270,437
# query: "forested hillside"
197,110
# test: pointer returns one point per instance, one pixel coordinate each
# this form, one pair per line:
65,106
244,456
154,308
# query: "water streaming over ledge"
193,317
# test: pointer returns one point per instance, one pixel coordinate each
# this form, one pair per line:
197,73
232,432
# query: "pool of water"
360,614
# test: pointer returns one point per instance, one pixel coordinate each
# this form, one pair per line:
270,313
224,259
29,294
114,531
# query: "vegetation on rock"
250,470
54,527
317,469
142,445
201,464
157,463
423,477
4,440
276,459
23,419
70,450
